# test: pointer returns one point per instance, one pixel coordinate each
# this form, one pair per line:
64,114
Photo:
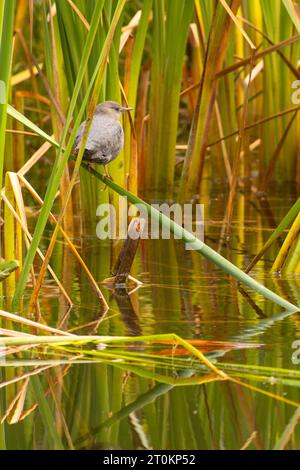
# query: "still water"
99,405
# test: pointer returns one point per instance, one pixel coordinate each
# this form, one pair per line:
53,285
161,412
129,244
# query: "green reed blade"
60,163
286,221
293,12
6,48
202,119
169,21
46,414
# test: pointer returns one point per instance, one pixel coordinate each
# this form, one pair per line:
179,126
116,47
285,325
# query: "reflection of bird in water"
106,137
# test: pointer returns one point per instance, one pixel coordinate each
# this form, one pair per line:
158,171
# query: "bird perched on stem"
106,137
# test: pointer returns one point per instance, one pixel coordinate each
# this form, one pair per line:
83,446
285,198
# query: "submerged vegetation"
215,87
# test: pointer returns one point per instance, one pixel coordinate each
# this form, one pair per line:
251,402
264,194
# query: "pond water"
99,405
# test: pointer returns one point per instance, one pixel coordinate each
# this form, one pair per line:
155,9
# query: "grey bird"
106,136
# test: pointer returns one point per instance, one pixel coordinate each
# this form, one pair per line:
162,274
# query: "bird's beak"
123,109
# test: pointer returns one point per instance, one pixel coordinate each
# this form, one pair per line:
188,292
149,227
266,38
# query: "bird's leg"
89,167
107,173
107,176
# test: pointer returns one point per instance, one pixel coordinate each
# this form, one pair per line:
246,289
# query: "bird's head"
112,109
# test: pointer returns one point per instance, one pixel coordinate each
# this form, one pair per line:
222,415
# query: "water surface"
101,406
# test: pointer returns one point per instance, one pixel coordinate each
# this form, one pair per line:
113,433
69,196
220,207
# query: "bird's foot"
105,186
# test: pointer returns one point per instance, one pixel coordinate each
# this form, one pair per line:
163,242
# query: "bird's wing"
89,144
79,135
105,137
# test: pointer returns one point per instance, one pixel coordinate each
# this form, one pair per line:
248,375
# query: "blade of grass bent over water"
197,244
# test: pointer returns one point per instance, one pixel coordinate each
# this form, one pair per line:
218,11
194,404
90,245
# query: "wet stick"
127,254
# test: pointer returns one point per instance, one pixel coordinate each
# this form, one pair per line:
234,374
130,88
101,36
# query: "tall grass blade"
60,163
293,10
46,414
6,49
